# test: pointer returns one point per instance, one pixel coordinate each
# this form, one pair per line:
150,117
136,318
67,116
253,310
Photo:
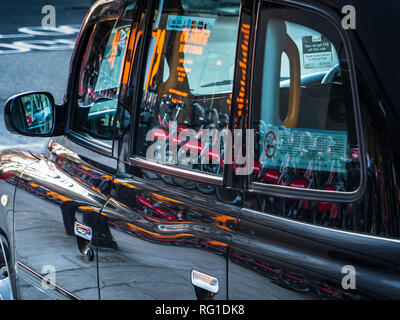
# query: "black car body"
316,217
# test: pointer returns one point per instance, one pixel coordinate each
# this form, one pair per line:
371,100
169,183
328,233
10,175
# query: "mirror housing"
34,114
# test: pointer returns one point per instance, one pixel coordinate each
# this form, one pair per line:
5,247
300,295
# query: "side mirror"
31,114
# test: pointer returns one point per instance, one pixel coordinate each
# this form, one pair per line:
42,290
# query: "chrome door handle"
84,236
208,285
83,231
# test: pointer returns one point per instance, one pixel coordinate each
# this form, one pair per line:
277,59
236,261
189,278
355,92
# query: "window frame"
82,45
173,170
313,194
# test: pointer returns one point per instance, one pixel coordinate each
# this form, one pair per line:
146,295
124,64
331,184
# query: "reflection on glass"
100,79
187,86
304,124
32,113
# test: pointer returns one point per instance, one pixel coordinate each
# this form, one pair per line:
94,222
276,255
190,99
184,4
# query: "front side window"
100,78
187,85
303,111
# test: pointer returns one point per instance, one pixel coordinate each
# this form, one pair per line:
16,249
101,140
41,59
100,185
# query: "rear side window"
187,84
303,114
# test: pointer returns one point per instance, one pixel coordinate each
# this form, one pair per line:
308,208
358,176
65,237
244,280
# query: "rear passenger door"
309,229
170,221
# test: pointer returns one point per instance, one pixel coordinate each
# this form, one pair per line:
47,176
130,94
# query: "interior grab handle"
292,52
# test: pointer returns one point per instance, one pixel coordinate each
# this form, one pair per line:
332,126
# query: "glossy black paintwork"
295,260
151,232
161,233
52,193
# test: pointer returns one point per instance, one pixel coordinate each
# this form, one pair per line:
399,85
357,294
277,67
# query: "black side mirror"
32,114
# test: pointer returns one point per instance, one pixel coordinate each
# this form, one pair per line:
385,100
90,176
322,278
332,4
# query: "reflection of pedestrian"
28,106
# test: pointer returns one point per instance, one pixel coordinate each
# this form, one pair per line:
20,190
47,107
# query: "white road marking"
23,146
47,45
18,35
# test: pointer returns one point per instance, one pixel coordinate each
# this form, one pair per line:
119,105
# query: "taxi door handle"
206,287
84,236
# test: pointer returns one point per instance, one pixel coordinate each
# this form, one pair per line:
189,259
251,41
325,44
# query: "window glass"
304,120
100,78
187,84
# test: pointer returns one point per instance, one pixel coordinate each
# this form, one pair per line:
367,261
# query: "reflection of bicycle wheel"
186,158
209,168
326,292
297,208
184,161
228,196
162,156
211,118
205,188
187,184
294,282
167,179
166,112
150,175
261,202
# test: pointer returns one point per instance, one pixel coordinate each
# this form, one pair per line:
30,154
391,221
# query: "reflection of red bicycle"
153,209
322,212
295,281
29,119
275,176
315,149
328,213
165,116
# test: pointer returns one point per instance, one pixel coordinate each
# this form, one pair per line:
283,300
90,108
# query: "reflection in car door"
57,204
159,234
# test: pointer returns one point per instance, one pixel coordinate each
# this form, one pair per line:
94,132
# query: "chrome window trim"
304,194
256,214
93,145
176,171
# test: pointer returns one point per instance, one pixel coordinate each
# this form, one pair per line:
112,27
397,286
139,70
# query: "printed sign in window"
321,147
317,52
180,23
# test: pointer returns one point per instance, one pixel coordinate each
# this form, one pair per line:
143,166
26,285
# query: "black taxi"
214,149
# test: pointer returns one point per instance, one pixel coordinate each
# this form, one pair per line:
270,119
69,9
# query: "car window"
100,78
303,117
187,83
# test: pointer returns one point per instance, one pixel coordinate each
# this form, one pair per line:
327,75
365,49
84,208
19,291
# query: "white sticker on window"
321,147
317,52
180,23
